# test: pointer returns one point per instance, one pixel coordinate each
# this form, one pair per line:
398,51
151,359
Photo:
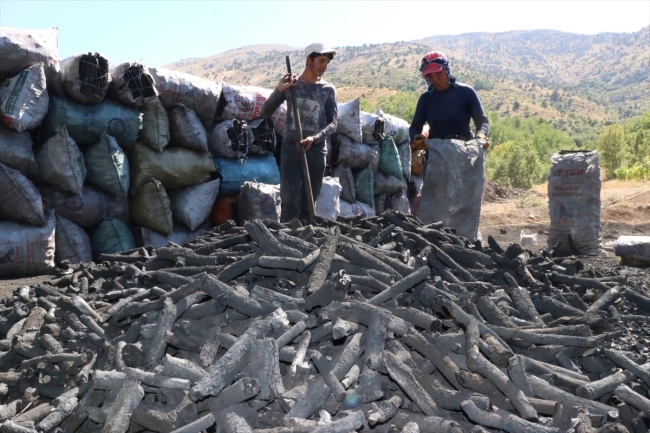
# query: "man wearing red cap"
316,100
447,106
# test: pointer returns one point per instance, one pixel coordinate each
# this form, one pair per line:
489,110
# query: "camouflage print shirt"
317,110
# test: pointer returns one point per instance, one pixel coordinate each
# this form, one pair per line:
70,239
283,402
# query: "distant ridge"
547,73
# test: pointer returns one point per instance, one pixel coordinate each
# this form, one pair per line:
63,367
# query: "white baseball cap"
318,47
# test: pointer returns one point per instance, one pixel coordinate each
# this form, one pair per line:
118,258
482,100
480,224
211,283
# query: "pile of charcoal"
494,192
384,324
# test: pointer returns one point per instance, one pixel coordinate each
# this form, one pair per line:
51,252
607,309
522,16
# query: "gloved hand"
418,142
482,136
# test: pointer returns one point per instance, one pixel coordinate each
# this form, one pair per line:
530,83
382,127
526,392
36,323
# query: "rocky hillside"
563,77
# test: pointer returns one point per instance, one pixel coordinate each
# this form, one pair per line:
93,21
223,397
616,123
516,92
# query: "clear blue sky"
161,32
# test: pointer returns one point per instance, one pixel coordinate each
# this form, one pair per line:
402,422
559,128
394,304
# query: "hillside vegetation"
544,90
551,74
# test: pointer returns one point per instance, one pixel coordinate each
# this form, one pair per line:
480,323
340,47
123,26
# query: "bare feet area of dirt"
625,210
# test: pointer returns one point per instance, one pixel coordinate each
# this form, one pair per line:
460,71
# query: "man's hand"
418,142
307,142
286,82
482,136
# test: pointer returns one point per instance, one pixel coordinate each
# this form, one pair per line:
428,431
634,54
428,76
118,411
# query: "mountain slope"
562,77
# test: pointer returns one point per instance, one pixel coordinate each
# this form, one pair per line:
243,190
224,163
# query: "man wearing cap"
447,106
316,100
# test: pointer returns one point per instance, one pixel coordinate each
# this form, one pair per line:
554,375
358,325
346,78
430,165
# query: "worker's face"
318,66
439,80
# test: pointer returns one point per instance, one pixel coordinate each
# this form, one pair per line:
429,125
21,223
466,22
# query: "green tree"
401,104
513,164
611,148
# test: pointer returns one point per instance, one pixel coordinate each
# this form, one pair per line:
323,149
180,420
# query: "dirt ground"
625,211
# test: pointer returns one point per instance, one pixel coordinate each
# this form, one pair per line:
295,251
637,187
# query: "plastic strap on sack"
93,74
140,84
378,133
265,135
239,140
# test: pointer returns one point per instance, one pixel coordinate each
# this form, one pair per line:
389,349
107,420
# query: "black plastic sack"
89,208
112,236
19,199
155,125
175,167
150,207
16,151
61,163
107,166
72,242
27,249
186,129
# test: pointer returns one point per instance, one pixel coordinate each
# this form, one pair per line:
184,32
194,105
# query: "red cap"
431,68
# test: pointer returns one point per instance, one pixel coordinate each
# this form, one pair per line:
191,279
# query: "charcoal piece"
543,389
56,417
620,359
504,420
330,379
606,299
437,357
598,388
478,364
545,304
267,242
493,314
406,283
222,372
317,391
361,312
401,374
360,257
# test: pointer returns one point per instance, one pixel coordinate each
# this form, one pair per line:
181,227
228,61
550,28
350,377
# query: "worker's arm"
278,96
481,122
419,119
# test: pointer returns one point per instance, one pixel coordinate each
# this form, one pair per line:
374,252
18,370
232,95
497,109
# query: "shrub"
514,164
611,149
636,171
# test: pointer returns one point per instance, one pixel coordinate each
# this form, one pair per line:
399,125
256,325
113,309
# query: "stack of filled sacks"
371,157
147,171
30,63
121,158
244,146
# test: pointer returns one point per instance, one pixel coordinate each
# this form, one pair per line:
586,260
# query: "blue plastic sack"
86,123
257,168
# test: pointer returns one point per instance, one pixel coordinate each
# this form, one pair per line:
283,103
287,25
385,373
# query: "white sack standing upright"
574,203
328,204
453,185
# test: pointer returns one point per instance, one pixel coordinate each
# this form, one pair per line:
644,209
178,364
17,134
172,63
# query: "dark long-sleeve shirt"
448,113
317,110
